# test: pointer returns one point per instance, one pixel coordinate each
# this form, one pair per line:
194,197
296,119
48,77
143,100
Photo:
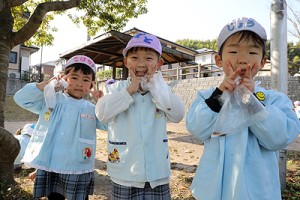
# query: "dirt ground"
185,152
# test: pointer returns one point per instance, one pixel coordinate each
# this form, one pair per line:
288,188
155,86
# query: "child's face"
79,84
143,62
240,53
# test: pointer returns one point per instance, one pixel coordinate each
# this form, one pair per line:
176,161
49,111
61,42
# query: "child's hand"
96,94
247,80
150,73
134,84
229,83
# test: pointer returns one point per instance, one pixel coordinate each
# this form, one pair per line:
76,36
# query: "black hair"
135,49
86,70
246,36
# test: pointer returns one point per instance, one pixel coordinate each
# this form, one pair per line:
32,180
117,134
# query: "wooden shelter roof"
107,48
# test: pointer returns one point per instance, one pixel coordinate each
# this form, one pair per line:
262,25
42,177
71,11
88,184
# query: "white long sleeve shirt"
137,136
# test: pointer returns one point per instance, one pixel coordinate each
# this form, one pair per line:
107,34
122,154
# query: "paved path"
14,126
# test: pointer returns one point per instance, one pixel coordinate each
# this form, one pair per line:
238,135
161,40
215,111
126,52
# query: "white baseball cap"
241,24
81,59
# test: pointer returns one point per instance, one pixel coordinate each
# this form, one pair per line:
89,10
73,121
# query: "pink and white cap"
81,59
144,40
241,24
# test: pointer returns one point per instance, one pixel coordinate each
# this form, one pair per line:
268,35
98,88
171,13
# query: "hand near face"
229,83
247,79
150,73
96,94
134,84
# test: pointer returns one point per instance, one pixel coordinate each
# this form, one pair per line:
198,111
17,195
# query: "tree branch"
10,3
34,22
13,3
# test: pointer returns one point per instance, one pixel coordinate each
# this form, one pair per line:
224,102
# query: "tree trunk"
9,148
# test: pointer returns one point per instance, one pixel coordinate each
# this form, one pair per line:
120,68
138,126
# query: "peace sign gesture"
247,79
229,83
96,94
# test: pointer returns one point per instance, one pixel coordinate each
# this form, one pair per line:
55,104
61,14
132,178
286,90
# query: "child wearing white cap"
63,144
139,160
242,164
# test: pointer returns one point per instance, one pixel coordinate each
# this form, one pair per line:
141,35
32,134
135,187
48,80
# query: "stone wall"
187,88
13,85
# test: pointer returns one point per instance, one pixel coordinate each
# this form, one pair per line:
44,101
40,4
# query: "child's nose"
79,83
141,63
242,61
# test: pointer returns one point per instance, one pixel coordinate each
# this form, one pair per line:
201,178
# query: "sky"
168,19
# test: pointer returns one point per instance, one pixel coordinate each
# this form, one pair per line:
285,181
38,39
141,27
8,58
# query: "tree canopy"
94,14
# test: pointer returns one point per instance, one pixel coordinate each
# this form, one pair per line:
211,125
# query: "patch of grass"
14,113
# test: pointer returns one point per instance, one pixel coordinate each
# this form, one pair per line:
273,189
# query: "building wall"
187,89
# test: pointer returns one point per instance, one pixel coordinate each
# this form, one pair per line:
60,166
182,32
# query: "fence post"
282,167
199,71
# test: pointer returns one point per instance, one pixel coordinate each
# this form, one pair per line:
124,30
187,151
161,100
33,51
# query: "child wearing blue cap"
242,163
139,160
63,143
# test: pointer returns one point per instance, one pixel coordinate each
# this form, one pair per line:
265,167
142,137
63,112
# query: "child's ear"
218,60
125,62
263,62
160,63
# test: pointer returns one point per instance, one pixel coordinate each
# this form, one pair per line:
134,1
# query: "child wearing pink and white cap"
63,143
138,157
241,164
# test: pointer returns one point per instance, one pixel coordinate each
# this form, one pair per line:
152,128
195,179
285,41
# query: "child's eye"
253,53
232,51
149,58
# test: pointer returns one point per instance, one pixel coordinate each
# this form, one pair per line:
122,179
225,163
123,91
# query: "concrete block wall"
13,85
187,89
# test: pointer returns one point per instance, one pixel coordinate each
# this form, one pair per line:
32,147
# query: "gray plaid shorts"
161,192
72,186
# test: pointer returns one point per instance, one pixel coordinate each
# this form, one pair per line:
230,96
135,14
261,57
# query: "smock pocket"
86,149
114,149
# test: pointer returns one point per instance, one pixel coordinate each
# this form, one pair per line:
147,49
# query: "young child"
139,160
63,144
242,164
23,135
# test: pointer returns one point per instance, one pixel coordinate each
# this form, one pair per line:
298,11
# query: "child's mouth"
141,73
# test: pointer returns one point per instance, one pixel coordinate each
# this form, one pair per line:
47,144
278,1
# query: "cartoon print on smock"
47,115
87,153
113,156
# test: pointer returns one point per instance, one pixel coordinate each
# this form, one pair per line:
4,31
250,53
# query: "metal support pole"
279,67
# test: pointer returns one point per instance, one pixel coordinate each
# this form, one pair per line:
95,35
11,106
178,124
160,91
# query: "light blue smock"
242,165
64,140
137,135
